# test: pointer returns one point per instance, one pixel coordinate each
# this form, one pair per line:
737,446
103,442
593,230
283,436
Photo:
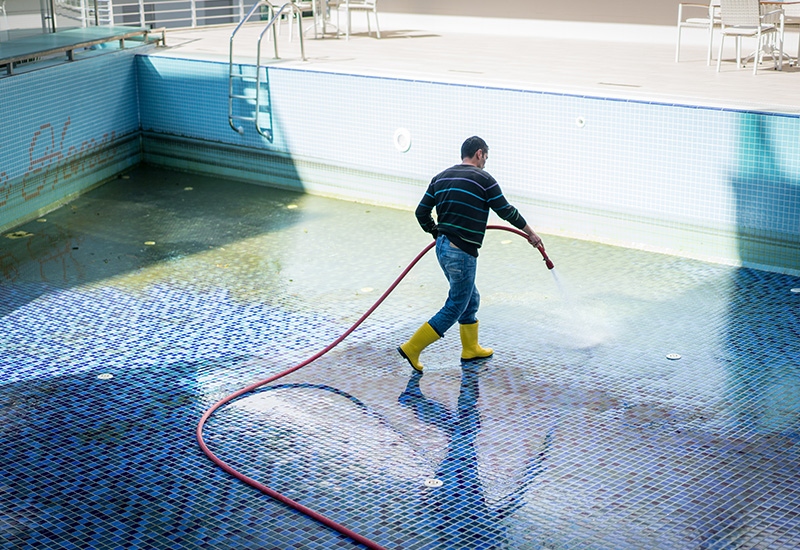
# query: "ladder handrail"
275,41
242,22
295,8
257,5
269,26
249,13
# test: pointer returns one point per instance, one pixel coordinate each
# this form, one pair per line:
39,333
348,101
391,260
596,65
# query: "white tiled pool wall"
720,185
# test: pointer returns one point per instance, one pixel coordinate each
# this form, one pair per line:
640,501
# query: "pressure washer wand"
547,261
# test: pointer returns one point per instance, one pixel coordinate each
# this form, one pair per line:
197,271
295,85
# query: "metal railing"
173,14
169,14
86,13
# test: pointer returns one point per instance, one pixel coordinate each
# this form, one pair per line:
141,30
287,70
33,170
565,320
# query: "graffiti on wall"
50,165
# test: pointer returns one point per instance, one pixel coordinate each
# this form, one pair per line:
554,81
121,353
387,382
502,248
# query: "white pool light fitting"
402,140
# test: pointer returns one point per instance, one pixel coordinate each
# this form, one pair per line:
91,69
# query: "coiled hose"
274,494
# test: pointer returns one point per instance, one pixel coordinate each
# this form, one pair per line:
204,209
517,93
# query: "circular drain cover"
673,356
105,376
433,482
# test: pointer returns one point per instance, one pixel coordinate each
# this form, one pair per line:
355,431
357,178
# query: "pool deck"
616,61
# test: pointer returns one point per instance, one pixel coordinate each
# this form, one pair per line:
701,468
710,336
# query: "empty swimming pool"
129,311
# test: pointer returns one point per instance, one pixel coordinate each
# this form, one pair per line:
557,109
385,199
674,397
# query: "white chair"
304,7
708,22
290,15
349,6
791,19
743,18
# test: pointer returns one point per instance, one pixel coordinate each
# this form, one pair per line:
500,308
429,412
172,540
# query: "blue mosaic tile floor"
579,433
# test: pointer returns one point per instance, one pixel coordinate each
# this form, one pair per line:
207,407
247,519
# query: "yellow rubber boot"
471,350
421,339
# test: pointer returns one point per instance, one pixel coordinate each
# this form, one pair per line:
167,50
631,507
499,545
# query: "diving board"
67,42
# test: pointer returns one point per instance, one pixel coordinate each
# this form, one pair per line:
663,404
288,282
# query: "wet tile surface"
579,433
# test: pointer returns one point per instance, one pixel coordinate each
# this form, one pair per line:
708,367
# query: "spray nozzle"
547,261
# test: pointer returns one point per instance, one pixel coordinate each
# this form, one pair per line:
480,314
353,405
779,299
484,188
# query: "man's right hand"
533,238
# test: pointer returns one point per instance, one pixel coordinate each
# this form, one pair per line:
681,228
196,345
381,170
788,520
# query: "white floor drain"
673,356
433,482
105,376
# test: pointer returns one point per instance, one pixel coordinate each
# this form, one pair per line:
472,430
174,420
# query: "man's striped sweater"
463,196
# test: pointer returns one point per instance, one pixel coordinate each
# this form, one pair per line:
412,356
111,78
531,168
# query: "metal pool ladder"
249,78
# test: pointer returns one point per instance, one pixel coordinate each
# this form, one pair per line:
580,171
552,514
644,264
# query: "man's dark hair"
471,146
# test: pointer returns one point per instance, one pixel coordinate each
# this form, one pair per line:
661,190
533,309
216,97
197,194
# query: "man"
462,196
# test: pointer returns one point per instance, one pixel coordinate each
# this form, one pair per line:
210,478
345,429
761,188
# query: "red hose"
274,494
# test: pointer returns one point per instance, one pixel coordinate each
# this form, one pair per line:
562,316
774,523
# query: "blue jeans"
463,299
